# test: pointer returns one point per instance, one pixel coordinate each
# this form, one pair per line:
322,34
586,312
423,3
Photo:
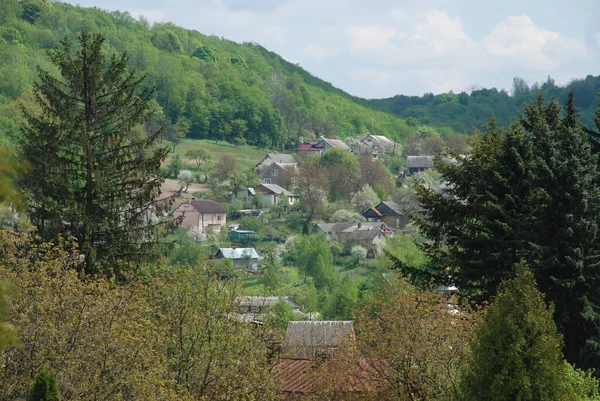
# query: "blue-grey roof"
238,253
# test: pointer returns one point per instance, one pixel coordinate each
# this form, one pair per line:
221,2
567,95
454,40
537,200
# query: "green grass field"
247,156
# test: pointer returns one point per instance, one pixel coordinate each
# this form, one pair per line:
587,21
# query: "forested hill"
464,111
207,87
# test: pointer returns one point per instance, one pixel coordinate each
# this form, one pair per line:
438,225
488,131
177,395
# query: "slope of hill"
207,87
464,111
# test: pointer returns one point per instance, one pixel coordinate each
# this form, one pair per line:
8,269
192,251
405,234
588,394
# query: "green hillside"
208,87
464,111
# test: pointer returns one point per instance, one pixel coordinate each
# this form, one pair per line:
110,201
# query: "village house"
374,145
272,194
203,215
278,174
321,146
271,158
387,212
242,258
370,235
417,164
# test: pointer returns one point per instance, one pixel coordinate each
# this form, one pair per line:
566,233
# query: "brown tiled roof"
302,376
207,206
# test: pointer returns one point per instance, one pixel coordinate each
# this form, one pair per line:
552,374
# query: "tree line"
206,87
465,110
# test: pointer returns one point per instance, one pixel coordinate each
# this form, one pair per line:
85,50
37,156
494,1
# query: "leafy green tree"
205,53
343,172
365,199
167,40
516,352
271,266
44,387
92,177
346,216
8,333
199,156
314,258
530,193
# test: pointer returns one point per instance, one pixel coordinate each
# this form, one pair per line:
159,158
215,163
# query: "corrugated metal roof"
274,188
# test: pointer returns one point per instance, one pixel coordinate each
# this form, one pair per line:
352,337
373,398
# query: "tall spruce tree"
516,351
528,193
94,170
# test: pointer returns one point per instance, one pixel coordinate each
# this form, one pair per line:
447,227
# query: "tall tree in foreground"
516,351
94,174
529,193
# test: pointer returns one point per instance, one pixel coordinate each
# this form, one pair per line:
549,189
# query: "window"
204,217
275,171
219,217
267,181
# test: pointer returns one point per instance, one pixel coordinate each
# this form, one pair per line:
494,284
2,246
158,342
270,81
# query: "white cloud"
370,36
439,31
519,41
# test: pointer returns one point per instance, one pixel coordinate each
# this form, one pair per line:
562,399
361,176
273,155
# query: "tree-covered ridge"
464,111
207,87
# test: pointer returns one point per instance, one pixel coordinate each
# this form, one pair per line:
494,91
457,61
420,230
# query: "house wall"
395,221
239,264
191,219
282,178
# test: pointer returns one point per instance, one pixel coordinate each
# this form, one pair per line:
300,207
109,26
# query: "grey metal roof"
271,158
392,205
336,143
304,339
351,227
265,302
419,161
276,189
238,253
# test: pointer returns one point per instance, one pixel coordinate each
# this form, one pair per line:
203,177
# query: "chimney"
359,225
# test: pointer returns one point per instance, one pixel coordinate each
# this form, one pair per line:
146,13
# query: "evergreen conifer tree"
528,193
94,169
516,352
44,387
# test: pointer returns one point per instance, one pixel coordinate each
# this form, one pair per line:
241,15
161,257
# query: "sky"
382,48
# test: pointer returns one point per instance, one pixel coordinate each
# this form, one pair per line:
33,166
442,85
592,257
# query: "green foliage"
205,53
44,387
279,102
516,352
8,333
313,258
280,315
530,192
93,174
346,216
584,384
464,111
251,223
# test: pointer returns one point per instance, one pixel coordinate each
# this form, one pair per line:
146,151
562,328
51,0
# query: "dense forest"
206,86
463,111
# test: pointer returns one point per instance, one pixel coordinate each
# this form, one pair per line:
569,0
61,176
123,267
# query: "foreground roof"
206,206
265,302
307,338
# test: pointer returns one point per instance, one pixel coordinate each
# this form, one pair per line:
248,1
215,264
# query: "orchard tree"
185,178
92,176
199,156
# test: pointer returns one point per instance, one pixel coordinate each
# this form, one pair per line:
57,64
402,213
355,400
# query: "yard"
247,156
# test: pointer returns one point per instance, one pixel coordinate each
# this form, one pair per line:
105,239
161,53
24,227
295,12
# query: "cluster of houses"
275,171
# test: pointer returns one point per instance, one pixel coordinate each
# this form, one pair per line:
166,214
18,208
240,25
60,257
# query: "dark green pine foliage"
516,351
94,169
530,193
44,387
